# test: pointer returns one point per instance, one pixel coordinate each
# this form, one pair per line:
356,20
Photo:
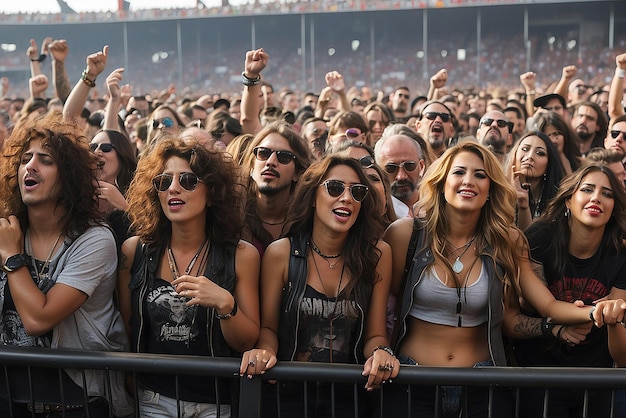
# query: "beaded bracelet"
385,349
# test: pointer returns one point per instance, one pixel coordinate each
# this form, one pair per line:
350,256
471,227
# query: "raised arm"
616,92
335,81
35,57
115,100
254,64
529,80
76,101
568,73
437,81
58,51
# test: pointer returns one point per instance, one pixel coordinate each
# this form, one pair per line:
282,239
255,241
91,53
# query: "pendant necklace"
333,315
326,257
458,265
174,270
43,274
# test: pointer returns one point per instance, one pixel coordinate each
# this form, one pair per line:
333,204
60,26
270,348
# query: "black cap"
542,101
220,103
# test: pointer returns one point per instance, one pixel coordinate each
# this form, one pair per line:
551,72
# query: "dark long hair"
126,157
554,218
361,254
571,142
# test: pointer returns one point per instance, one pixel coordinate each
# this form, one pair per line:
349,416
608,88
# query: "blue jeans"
153,404
444,401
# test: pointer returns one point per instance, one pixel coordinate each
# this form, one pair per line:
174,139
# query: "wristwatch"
15,262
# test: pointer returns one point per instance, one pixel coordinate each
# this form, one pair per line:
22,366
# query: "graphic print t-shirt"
583,279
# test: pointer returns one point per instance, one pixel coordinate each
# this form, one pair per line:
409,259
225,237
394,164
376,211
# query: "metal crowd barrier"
250,389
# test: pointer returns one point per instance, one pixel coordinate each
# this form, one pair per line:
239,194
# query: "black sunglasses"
283,157
433,115
488,121
615,134
166,122
366,161
188,181
336,188
104,147
409,167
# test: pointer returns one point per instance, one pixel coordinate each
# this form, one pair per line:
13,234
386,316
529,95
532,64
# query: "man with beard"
277,157
435,126
616,136
400,103
590,123
402,159
494,132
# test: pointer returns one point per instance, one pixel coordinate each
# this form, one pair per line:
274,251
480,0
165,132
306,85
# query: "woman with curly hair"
325,288
455,271
187,284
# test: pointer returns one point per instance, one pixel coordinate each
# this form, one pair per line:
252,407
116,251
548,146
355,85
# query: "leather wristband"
384,348
90,83
41,58
248,82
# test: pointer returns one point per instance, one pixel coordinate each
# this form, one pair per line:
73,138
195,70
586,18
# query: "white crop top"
437,303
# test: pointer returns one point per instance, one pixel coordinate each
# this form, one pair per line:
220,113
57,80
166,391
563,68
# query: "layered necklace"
458,265
175,274
334,315
326,257
43,274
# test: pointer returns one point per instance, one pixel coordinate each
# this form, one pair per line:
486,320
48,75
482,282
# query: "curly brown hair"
224,218
76,165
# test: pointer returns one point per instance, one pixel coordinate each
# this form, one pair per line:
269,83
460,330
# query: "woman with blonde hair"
466,266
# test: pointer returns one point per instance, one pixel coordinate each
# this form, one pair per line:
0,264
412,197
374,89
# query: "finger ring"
567,340
526,186
251,364
264,361
382,368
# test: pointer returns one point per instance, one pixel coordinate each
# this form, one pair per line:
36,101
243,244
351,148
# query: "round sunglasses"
188,181
283,157
336,188
409,167
104,147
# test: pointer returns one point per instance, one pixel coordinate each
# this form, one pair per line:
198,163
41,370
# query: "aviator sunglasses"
166,122
409,167
336,188
615,134
283,157
188,181
104,147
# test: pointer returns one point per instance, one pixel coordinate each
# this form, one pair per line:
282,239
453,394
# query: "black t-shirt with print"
583,279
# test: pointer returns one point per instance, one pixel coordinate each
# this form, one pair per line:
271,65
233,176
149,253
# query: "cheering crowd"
449,227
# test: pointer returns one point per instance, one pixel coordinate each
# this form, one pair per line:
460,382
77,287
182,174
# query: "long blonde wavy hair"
493,230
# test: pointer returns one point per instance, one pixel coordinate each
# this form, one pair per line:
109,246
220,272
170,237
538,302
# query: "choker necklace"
326,257
273,223
458,265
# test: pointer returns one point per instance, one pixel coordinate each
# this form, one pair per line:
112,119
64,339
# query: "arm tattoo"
538,269
61,82
123,260
526,326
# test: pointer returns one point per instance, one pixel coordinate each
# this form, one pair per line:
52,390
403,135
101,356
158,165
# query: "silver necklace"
44,272
326,257
458,265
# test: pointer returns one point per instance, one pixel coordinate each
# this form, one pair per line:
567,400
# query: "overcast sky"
51,6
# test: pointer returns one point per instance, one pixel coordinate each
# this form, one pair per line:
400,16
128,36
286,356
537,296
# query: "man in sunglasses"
315,132
616,136
401,157
494,132
435,126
